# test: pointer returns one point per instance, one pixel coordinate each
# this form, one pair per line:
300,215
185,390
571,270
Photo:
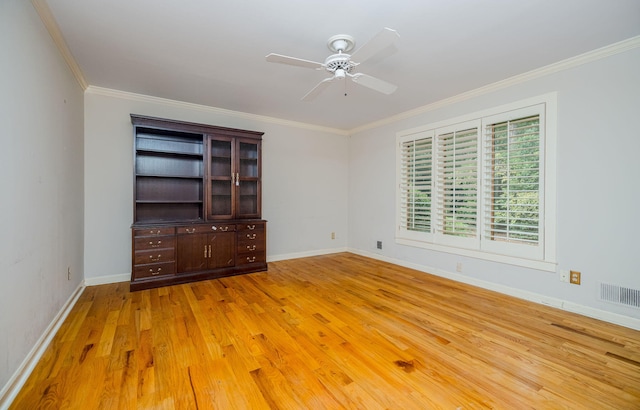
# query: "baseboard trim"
297,255
126,277
15,383
104,280
610,317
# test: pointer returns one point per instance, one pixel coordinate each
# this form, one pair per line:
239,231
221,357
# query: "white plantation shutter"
512,200
475,185
457,187
415,183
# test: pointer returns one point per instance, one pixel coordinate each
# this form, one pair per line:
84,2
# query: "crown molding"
43,10
588,57
108,92
50,23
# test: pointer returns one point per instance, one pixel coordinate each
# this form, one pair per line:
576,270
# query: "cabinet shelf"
162,211
160,221
199,178
162,153
167,202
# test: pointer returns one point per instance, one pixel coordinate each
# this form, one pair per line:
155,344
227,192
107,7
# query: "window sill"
547,266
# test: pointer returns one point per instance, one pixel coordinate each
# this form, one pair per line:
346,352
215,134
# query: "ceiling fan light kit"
342,65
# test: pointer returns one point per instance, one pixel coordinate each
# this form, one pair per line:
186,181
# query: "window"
457,185
415,201
475,185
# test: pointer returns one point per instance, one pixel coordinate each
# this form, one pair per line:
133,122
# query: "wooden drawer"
189,229
251,247
252,244
154,270
147,243
257,257
251,226
249,238
153,231
154,256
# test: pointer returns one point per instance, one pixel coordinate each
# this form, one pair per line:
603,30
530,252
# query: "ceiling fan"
342,65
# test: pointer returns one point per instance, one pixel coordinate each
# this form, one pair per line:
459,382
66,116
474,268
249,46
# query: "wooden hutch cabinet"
197,202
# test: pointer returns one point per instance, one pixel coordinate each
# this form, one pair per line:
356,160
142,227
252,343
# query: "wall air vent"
620,295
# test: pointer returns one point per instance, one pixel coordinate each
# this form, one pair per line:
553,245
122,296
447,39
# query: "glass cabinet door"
221,178
247,181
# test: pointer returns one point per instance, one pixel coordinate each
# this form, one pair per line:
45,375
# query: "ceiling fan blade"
318,89
278,58
373,83
382,40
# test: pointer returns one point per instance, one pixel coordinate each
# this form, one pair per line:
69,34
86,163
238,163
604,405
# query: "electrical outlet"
379,244
564,275
333,235
459,267
68,272
574,277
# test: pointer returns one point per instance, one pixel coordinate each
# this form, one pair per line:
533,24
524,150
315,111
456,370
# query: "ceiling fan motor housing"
339,62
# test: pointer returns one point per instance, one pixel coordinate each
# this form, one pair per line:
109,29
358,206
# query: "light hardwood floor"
330,332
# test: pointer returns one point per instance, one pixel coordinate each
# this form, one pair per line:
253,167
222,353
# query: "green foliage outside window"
515,181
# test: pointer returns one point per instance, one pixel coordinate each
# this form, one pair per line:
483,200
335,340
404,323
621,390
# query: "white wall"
304,179
316,181
598,187
41,173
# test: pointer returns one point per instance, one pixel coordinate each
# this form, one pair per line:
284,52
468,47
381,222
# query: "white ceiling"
213,52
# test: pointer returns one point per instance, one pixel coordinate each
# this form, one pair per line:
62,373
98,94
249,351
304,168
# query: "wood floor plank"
330,332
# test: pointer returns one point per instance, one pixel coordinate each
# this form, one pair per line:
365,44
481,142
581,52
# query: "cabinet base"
180,278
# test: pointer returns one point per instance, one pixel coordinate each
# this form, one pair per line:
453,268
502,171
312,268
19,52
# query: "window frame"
506,248
440,236
408,233
544,255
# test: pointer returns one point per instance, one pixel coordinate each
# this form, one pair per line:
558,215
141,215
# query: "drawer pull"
154,259
156,272
251,247
192,230
251,235
157,245
251,259
205,251
154,232
251,227
224,228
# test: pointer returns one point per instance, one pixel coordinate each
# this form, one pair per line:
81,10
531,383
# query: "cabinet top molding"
184,126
